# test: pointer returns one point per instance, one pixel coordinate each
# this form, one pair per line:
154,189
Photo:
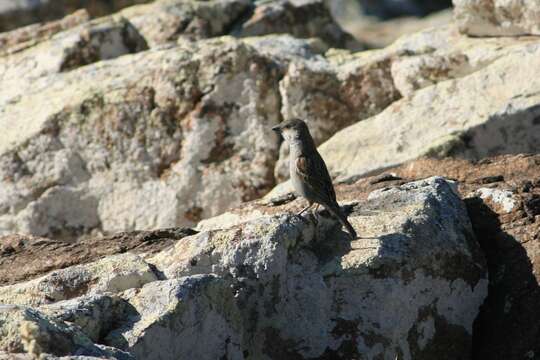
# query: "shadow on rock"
508,326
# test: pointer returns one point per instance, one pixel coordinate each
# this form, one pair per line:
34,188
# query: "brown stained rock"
25,257
506,223
508,326
17,40
14,14
303,19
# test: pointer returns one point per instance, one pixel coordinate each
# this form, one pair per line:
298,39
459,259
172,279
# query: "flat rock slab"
25,257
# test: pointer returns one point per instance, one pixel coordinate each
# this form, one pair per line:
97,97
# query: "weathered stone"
491,107
112,274
16,40
137,137
30,331
94,314
165,21
22,64
235,292
379,34
16,13
300,18
508,231
497,17
24,257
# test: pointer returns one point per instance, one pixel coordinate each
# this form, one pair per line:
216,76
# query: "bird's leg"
307,207
314,211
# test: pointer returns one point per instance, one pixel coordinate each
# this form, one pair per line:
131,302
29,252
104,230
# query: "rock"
94,314
13,41
492,110
111,274
165,21
54,51
497,17
139,134
28,330
379,34
508,233
237,290
17,13
21,257
289,16
475,116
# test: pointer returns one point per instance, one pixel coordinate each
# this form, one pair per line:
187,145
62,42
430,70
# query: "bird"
308,172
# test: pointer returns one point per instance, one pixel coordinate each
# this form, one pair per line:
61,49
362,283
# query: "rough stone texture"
502,195
53,51
492,111
234,291
165,21
497,17
468,99
29,330
17,13
379,34
30,35
109,153
300,18
239,288
23,257
111,274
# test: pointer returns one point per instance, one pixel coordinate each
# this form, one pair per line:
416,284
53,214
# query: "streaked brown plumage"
308,171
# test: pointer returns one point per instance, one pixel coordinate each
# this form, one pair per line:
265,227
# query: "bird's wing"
312,170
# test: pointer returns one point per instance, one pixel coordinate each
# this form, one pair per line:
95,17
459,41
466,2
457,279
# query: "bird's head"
293,130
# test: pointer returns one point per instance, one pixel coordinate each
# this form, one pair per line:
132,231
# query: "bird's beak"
277,129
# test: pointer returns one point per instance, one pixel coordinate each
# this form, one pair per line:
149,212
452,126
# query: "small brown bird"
309,174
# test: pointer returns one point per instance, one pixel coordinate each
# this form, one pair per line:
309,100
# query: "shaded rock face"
283,286
501,195
300,18
17,13
166,21
497,17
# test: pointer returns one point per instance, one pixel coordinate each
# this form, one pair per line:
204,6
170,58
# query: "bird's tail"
336,211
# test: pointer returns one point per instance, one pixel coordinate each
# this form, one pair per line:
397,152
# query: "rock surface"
108,153
497,17
239,287
469,98
502,195
165,21
145,93
17,13
300,18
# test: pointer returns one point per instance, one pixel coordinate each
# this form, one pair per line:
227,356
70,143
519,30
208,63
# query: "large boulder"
107,146
300,18
286,287
165,21
26,330
277,285
132,130
470,98
502,195
60,48
497,17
